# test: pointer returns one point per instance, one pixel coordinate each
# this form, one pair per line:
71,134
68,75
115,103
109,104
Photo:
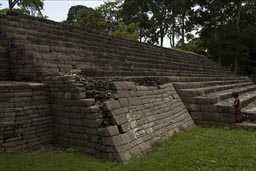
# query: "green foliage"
130,31
157,19
110,11
73,11
228,34
136,11
96,19
32,7
86,17
3,11
218,149
29,7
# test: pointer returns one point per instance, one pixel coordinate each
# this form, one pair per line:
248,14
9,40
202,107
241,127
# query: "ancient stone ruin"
112,99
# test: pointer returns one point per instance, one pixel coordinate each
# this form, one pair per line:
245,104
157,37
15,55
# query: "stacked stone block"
43,47
114,119
76,117
139,117
4,60
25,120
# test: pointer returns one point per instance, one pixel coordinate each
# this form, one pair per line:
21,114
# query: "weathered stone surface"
111,105
27,118
109,131
117,140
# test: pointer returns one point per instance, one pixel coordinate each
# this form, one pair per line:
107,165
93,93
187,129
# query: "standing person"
109,30
237,108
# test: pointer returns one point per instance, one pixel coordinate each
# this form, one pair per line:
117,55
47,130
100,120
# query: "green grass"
199,149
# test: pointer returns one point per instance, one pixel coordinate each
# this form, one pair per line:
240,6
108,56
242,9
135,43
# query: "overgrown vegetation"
29,7
218,149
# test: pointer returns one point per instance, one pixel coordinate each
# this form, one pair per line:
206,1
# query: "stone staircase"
205,99
116,98
45,47
97,57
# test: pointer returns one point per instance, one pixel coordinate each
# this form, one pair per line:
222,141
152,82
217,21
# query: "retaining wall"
25,120
115,119
4,60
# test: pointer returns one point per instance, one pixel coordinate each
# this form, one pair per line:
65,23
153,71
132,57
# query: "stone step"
84,30
133,43
249,111
245,99
181,85
214,98
246,124
48,36
52,24
115,66
208,78
122,61
209,89
186,66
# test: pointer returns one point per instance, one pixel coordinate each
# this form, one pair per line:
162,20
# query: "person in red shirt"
237,108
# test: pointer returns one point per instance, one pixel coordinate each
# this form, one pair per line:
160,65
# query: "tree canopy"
96,19
30,7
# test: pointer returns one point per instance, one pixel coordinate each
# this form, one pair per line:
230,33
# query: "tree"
30,7
130,31
85,17
184,19
72,12
110,11
137,11
161,15
227,30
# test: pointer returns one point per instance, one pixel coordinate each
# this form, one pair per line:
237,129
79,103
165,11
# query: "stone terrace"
112,99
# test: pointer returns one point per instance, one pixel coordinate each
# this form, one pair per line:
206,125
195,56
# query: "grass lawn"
199,149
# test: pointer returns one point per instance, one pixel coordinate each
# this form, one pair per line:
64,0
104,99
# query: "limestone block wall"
25,64
140,116
76,118
25,119
114,119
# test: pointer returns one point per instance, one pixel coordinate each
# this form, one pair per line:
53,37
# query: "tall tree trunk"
239,8
173,33
183,31
10,5
161,36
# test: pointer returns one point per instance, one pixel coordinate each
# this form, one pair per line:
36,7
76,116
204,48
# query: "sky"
57,10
